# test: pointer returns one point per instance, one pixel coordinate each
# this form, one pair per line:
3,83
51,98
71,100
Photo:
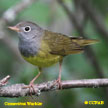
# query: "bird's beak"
14,28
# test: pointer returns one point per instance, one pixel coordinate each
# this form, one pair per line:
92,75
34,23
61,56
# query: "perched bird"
44,48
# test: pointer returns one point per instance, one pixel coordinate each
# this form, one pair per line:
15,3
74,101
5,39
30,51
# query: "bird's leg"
59,77
31,84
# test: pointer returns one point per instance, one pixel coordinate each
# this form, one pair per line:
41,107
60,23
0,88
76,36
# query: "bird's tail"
88,42
84,42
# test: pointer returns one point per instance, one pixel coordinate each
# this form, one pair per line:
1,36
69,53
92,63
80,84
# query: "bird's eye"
27,29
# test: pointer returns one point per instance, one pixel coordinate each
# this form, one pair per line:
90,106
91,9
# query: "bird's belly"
43,61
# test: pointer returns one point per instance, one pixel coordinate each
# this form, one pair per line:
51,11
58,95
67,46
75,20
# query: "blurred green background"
50,14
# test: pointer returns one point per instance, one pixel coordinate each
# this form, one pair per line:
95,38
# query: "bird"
43,48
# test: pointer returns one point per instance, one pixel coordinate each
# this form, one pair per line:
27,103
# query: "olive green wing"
60,44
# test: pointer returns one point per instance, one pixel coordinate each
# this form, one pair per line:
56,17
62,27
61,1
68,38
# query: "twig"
4,81
96,18
11,13
17,90
89,51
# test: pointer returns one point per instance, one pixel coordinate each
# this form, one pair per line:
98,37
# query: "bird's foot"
58,81
31,88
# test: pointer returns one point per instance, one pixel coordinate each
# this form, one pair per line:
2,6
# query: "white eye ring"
27,29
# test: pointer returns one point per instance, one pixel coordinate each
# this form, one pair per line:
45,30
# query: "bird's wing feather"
60,44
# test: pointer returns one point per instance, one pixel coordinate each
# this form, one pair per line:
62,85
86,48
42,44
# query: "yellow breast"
43,60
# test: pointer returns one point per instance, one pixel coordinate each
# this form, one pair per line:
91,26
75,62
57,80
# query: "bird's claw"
31,88
58,81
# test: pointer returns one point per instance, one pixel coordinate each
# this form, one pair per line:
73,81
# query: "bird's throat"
28,48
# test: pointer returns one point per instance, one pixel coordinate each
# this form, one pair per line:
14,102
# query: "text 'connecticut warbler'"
44,48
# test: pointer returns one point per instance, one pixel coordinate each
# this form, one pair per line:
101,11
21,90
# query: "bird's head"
27,30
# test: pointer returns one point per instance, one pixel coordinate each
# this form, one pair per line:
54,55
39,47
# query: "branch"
4,81
96,18
18,90
12,12
89,51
